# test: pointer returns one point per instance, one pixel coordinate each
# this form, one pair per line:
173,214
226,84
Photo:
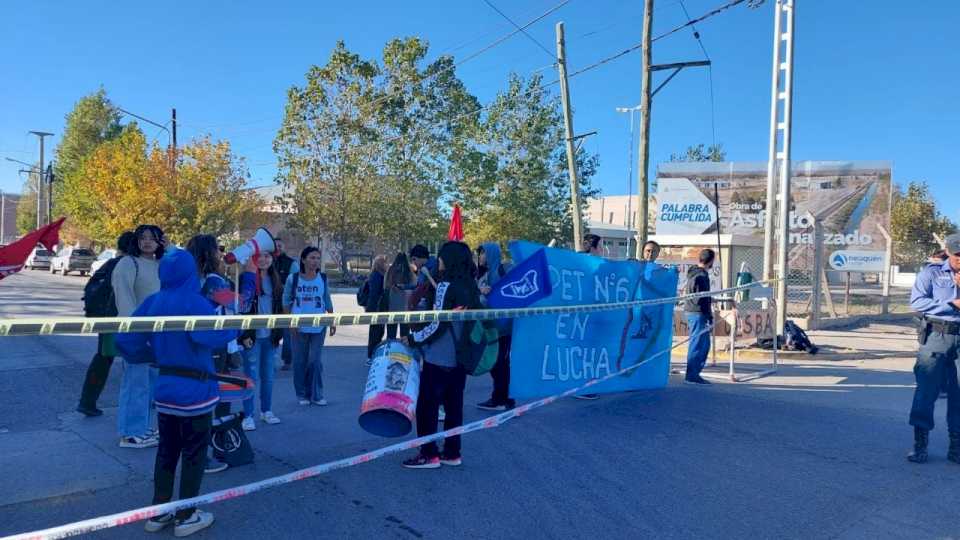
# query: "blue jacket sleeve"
209,338
922,299
135,347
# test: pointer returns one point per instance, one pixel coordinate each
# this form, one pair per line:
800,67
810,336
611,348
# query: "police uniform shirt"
933,291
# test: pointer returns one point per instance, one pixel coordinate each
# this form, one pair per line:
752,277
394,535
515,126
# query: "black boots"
920,439
954,453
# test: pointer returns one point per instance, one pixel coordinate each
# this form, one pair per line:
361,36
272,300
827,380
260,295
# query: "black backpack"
796,339
363,295
98,298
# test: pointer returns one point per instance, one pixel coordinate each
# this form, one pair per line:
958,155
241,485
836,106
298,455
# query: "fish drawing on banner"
523,285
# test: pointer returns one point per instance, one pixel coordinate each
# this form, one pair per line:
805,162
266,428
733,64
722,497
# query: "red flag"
13,256
456,225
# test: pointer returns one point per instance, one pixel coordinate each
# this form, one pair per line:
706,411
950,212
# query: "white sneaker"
158,523
139,442
304,401
269,418
197,522
248,424
441,414
322,402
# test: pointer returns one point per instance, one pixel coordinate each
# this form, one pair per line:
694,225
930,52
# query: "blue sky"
875,79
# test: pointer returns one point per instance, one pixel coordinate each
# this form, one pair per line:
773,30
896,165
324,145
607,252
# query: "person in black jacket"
374,301
283,263
443,378
102,360
699,313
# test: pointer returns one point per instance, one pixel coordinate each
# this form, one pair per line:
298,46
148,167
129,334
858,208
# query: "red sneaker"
422,462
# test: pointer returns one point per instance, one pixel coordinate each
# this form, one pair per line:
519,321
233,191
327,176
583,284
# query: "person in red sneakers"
443,378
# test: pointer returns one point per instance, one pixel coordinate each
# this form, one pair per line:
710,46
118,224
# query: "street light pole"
41,135
630,223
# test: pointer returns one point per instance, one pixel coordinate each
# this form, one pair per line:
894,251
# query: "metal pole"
630,235
3,216
815,299
630,222
49,176
716,203
568,128
785,168
644,145
772,159
887,256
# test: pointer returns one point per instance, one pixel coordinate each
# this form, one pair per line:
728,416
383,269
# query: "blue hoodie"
179,295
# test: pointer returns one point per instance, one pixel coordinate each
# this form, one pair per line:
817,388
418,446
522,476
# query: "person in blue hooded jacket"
491,269
186,391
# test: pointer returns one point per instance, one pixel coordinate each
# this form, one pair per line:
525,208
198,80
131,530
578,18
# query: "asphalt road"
815,452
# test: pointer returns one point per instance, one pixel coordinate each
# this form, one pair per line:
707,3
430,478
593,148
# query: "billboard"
850,200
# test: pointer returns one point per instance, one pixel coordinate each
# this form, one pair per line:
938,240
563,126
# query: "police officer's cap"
952,243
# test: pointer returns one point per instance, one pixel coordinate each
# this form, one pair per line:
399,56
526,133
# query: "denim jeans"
136,398
308,364
936,365
259,364
699,344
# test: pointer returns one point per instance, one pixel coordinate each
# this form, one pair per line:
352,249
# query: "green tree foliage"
378,149
701,153
125,182
512,178
92,121
326,150
27,206
914,221
424,114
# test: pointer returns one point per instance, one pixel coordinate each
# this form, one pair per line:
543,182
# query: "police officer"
936,297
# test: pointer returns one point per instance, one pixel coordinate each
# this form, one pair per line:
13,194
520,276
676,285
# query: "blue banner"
553,353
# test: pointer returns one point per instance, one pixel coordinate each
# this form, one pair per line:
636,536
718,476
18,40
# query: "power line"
701,18
696,34
570,76
509,20
639,46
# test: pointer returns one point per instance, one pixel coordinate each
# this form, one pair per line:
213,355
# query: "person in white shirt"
306,292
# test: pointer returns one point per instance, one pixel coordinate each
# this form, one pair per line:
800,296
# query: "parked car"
72,259
38,258
102,259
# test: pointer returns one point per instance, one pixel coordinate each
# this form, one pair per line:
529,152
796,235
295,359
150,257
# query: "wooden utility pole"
644,146
568,130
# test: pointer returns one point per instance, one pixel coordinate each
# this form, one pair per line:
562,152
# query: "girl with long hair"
375,303
306,292
399,285
443,378
261,345
134,278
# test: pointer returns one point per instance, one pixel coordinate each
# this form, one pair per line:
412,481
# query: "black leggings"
96,377
184,439
440,386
